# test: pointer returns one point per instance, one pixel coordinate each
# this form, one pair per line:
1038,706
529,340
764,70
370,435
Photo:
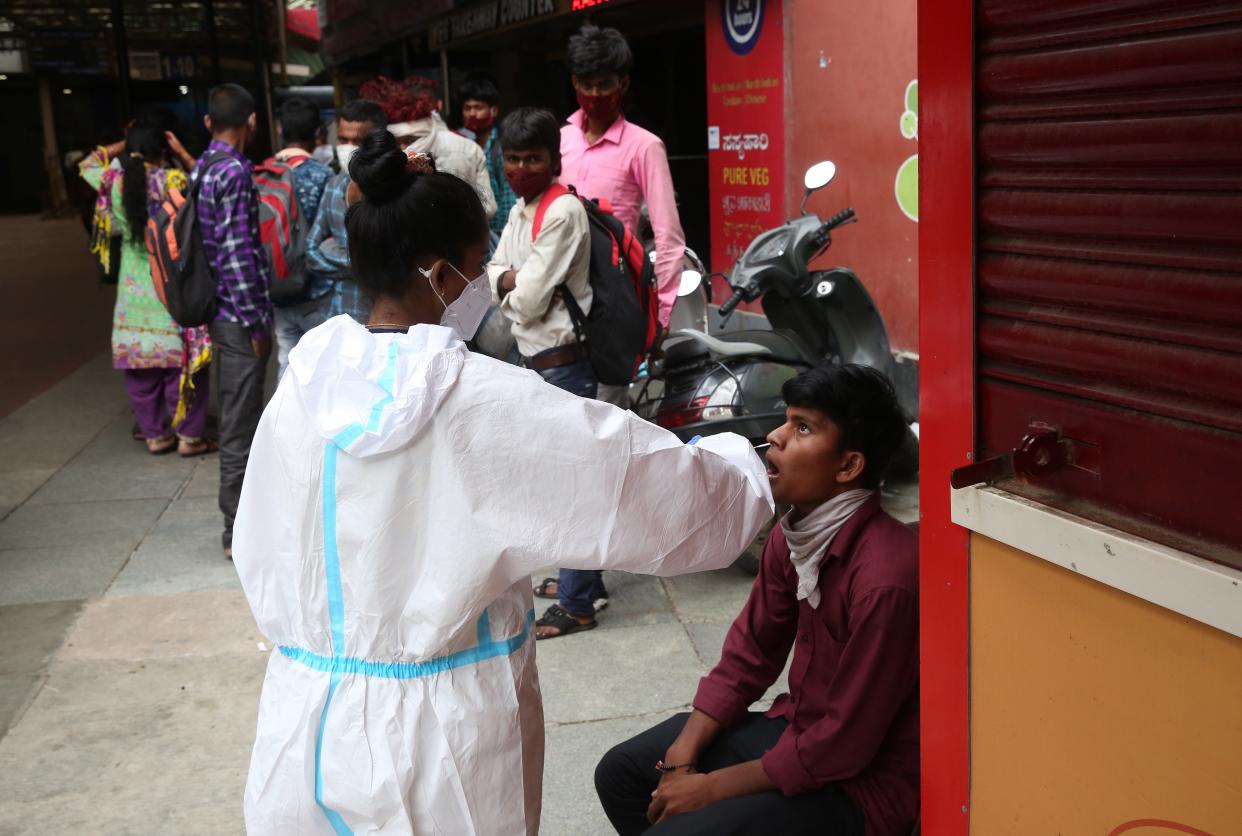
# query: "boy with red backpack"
580,311
290,186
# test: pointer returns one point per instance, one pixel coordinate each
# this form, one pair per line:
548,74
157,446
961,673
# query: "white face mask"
343,155
465,314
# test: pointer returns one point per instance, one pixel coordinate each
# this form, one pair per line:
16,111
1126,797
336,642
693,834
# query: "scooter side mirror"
816,177
690,282
819,175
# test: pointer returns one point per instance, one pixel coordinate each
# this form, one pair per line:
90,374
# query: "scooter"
731,380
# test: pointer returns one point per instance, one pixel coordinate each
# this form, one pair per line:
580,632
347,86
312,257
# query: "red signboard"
746,123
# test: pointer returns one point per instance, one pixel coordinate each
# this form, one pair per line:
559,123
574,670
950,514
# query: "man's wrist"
680,756
714,788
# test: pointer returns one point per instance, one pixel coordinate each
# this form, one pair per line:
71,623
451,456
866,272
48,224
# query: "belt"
554,358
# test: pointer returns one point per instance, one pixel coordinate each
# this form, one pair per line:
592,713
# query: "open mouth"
773,470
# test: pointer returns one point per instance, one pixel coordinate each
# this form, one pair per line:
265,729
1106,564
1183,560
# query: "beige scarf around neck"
810,536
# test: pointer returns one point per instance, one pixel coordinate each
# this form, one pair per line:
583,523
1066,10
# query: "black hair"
862,403
480,89
229,106
593,50
299,120
530,128
161,117
363,110
405,216
144,143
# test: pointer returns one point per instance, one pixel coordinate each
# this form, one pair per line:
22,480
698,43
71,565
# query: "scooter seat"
686,346
784,346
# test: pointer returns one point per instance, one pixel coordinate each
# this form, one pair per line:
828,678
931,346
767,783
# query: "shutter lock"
1042,452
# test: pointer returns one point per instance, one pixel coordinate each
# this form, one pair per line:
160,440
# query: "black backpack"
183,279
623,324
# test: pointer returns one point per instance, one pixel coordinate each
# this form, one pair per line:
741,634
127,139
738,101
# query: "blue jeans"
577,588
295,320
576,378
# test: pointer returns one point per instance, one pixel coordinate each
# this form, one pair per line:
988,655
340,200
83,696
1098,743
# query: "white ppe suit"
400,492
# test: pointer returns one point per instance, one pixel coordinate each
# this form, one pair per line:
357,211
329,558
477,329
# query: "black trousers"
242,375
626,777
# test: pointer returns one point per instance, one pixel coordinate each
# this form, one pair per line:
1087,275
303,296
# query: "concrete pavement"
56,313
130,667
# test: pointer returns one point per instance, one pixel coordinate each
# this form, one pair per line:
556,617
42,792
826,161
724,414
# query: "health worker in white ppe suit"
401,490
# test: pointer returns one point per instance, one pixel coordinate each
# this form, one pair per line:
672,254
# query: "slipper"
160,446
136,434
562,621
190,447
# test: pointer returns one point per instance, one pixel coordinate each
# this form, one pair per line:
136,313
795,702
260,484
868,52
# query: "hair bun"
379,167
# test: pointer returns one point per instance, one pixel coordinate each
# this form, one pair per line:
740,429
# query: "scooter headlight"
721,403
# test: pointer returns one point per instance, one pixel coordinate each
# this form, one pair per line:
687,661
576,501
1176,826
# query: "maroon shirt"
853,701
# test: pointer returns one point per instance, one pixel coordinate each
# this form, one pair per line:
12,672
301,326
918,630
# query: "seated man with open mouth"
838,585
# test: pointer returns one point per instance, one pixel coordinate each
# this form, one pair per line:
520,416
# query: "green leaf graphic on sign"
906,187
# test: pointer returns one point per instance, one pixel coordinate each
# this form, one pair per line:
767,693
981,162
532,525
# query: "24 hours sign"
746,119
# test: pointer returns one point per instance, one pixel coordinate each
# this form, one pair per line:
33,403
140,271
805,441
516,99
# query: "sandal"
563,621
160,446
136,434
189,447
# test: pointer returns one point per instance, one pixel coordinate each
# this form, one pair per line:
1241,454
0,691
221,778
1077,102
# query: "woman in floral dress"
165,366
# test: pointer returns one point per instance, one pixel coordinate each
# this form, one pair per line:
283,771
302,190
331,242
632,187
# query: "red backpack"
623,325
282,229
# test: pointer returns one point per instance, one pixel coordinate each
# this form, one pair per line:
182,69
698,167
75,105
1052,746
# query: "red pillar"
946,381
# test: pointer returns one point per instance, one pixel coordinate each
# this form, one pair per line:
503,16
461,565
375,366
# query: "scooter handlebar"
732,302
837,219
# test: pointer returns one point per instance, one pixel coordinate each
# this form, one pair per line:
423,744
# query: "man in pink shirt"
605,156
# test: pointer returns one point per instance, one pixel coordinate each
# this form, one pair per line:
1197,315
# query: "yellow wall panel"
1092,709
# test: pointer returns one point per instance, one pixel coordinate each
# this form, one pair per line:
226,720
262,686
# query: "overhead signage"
69,51
151,65
486,18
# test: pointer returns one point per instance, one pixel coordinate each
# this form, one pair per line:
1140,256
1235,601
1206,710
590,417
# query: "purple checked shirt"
228,215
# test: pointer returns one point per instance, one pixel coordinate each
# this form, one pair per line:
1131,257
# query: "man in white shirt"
529,272
544,253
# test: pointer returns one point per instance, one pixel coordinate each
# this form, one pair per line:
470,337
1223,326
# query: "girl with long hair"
165,366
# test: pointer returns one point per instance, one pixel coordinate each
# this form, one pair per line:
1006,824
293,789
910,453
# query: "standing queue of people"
509,163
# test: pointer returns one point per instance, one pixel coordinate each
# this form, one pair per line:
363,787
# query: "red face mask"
527,183
479,125
602,108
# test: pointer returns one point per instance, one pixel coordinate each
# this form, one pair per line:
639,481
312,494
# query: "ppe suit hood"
373,393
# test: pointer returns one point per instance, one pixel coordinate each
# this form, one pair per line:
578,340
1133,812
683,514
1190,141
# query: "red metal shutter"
1109,261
